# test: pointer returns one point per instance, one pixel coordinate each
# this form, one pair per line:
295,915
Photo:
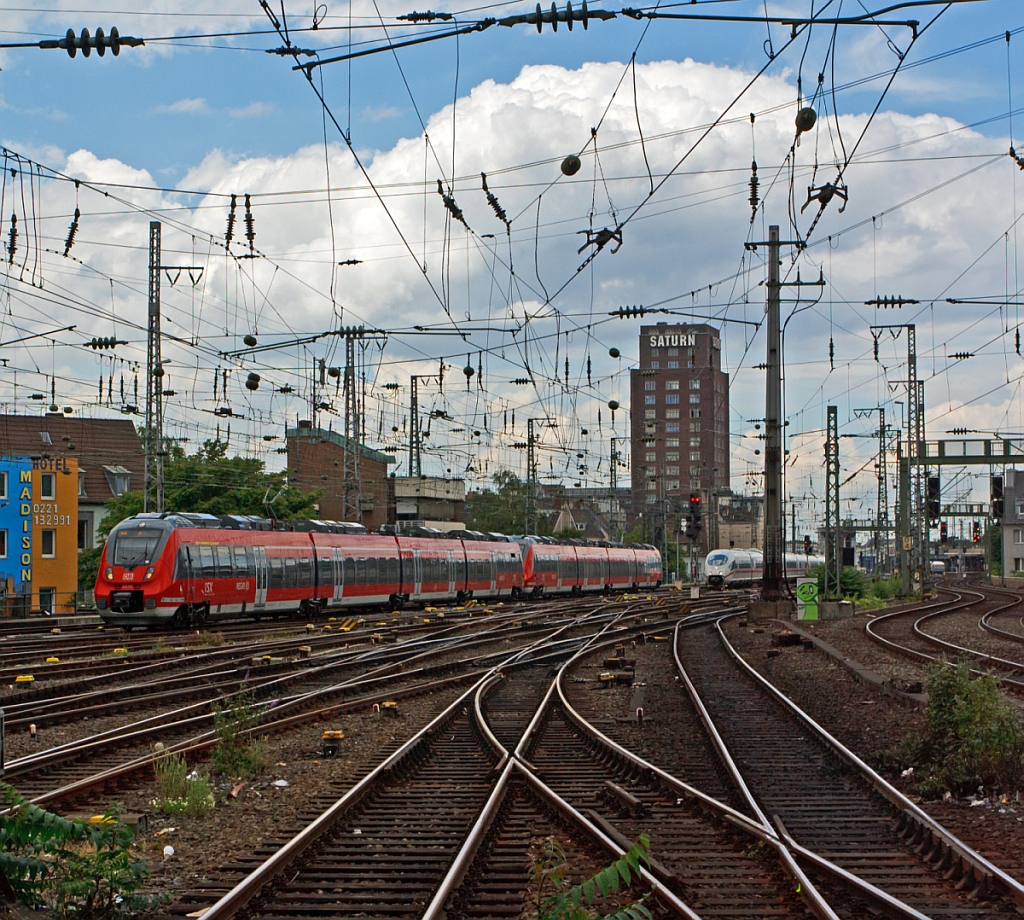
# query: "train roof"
254,522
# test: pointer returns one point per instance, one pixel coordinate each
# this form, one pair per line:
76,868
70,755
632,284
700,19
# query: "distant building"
39,533
679,425
317,460
431,501
739,522
1013,522
110,458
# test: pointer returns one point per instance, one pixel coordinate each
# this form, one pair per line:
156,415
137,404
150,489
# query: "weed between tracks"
181,791
237,752
555,899
973,736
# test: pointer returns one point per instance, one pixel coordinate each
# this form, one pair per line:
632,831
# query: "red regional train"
178,569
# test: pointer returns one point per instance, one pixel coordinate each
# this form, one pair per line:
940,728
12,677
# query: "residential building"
1013,523
679,426
39,533
431,501
317,459
109,454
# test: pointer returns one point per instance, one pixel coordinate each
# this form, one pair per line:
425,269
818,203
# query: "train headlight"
149,574
109,574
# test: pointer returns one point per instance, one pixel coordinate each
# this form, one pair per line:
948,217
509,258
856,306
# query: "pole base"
771,610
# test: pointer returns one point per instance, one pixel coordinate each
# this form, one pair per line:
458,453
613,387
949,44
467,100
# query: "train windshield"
718,559
135,545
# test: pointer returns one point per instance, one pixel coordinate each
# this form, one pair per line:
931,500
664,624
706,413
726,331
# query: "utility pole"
153,443
773,579
914,520
353,434
833,565
153,479
882,502
531,476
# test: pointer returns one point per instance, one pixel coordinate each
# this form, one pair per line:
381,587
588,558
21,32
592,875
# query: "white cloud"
686,238
381,112
184,106
253,110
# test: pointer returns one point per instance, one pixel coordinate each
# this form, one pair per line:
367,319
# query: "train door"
494,572
261,577
417,573
338,574
188,572
451,572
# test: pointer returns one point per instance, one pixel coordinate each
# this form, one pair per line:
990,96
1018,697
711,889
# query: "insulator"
250,230
216,382
567,370
249,340
449,203
100,400
755,184
1018,340
831,353
72,231
12,240
876,349
230,233
493,202
122,389
589,383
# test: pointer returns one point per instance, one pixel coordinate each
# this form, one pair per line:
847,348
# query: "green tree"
503,508
208,482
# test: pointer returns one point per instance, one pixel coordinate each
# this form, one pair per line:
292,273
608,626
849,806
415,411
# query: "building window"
673,365
581,526
650,384
671,413
695,456
672,426
650,400
3,485
671,470
672,442
48,486
689,362
695,413
694,442
695,384
45,439
694,485
650,413
655,352
694,426
652,499
672,400
1018,565
652,486
672,352
81,484
695,399
695,470
671,384
119,479
673,485
655,365
3,544
674,456
46,597
651,457
49,544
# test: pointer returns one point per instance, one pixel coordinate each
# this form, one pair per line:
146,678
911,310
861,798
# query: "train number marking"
207,587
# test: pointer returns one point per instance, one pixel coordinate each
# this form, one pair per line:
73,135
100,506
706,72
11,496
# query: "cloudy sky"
170,131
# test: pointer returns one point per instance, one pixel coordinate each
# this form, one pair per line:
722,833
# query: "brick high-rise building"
679,403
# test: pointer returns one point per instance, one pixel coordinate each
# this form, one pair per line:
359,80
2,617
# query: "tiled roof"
94,442
340,440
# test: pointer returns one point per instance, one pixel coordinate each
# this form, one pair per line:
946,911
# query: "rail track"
912,633
826,803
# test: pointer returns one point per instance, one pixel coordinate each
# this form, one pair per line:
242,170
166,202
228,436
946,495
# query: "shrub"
79,871
851,581
550,869
237,752
974,735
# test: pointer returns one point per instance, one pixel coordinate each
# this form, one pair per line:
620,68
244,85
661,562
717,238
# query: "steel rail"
247,888
981,866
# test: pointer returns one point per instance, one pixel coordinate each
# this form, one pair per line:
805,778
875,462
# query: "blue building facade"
16,524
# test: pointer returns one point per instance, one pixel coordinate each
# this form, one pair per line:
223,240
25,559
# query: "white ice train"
743,567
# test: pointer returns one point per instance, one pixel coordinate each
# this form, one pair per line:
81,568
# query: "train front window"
134,545
717,559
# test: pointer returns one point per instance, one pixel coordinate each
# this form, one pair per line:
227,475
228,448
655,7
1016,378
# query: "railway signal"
943,532
976,532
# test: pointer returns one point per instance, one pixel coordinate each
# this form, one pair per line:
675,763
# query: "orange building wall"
60,515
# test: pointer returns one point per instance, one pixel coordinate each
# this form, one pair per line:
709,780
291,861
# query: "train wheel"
517,592
395,602
179,620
